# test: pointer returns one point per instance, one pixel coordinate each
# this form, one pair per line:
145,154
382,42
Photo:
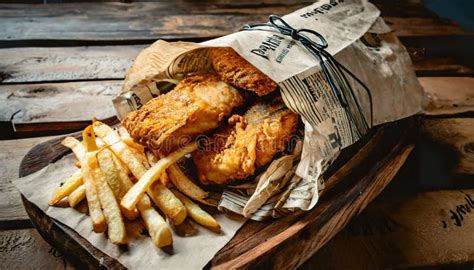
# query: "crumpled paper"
356,36
192,252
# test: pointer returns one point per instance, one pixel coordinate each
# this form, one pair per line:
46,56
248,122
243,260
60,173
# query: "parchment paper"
192,252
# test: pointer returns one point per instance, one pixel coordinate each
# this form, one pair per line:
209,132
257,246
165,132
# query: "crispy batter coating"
239,72
250,141
198,104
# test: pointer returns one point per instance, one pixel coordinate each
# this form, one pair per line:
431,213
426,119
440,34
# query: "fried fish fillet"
250,141
239,72
196,105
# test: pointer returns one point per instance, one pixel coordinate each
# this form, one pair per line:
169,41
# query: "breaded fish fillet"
196,105
250,141
239,72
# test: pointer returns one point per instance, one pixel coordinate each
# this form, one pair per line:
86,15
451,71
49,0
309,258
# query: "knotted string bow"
333,71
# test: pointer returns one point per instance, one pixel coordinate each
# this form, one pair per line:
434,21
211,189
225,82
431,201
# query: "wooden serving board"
356,178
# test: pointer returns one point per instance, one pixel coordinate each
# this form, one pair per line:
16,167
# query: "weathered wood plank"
81,101
456,137
58,102
403,231
20,248
135,21
402,8
444,95
141,22
20,65
66,63
12,212
416,26
439,66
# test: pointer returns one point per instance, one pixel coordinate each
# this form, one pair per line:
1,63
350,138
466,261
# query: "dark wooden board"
12,212
356,178
133,23
26,249
454,138
405,230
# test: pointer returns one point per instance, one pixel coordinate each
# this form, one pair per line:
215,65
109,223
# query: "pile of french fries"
120,179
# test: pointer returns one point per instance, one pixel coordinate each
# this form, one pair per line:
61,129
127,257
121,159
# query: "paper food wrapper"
192,252
357,37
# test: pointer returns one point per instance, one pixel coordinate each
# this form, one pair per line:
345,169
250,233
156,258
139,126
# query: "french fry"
76,146
110,137
143,184
99,167
164,178
122,167
196,213
117,179
168,203
129,201
127,184
152,160
95,211
107,165
129,140
116,228
180,180
141,156
77,196
88,138
157,227
100,143
122,174
137,149
111,210
67,188
184,184
150,156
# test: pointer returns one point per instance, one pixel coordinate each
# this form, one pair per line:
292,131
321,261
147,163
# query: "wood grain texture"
12,212
62,64
139,22
422,26
456,136
25,249
446,95
316,228
58,102
404,230
66,63
81,101
134,21
439,66
364,175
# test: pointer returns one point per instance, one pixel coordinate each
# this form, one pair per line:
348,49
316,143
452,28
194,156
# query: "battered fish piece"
250,141
196,105
239,72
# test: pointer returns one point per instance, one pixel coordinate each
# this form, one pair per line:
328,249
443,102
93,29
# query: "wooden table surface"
60,65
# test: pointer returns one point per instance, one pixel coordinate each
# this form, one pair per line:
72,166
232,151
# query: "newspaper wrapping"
356,36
